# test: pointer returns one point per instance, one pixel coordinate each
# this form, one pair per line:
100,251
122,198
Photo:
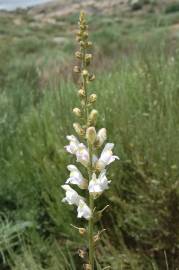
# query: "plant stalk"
91,242
90,169
91,221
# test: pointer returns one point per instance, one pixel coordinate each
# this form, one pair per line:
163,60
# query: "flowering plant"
95,182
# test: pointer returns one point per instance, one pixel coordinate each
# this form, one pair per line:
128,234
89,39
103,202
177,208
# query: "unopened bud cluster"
84,58
87,152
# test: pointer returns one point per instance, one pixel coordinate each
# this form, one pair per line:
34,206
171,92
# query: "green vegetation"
172,7
137,68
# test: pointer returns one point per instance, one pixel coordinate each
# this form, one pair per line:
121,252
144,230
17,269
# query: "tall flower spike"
85,151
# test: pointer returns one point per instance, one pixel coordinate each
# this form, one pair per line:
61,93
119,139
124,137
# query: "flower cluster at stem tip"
86,146
86,130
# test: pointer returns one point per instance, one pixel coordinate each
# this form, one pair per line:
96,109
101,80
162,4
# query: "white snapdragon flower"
101,136
76,177
79,150
98,185
72,196
73,144
83,210
82,155
106,157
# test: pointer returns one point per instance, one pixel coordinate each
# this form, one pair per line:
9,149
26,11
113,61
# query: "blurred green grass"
137,68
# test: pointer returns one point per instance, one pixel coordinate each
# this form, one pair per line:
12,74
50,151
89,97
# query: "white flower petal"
82,155
98,185
101,136
79,149
83,210
73,144
72,196
76,177
106,157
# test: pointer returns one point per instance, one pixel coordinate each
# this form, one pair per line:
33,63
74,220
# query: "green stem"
91,242
91,221
90,170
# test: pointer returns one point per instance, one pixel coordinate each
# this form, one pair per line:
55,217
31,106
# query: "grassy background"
137,68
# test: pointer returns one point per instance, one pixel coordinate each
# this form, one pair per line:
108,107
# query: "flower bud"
85,73
78,55
92,98
82,43
81,93
79,130
85,35
92,117
82,16
89,44
78,33
91,135
77,112
83,27
76,69
92,77
101,137
88,58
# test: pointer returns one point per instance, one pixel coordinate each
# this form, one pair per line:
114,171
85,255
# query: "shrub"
172,7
